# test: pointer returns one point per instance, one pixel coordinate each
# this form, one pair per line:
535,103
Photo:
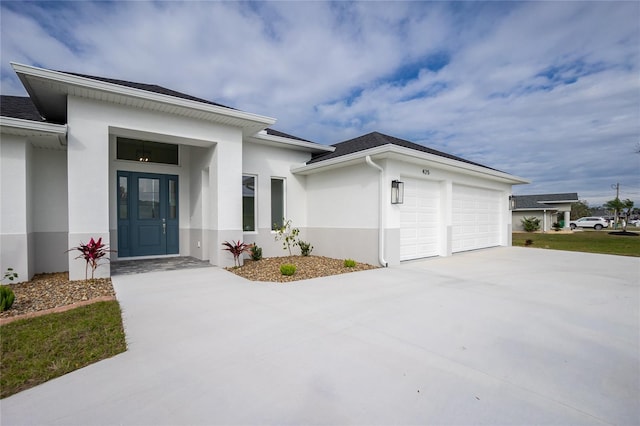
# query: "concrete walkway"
499,336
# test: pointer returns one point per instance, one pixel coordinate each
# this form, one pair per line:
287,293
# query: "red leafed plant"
237,248
92,253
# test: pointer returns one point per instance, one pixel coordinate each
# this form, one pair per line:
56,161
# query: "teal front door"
147,214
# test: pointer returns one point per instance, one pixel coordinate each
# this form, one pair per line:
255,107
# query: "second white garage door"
420,219
476,218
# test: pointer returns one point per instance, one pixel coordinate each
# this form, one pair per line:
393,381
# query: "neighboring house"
155,172
549,208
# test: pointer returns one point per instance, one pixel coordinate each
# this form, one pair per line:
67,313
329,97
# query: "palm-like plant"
620,206
237,248
92,252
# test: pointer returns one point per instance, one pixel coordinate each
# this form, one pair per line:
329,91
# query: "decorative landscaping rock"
268,269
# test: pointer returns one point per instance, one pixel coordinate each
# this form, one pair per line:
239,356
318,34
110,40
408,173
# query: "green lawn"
585,241
39,349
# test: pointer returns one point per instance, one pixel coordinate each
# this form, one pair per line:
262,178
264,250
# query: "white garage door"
476,218
419,219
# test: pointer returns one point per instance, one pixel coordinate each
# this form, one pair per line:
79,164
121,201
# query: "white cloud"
331,71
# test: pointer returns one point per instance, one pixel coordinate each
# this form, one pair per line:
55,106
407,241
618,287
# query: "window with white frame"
248,203
277,203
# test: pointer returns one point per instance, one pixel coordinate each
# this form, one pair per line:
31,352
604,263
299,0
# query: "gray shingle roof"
375,139
536,202
148,87
274,132
19,107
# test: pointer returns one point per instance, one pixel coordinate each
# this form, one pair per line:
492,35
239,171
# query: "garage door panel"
419,219
476,218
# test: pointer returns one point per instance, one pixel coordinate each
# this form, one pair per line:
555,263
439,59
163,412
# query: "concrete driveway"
499,336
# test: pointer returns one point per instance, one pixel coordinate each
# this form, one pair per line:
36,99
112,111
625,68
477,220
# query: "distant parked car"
635,222
589,222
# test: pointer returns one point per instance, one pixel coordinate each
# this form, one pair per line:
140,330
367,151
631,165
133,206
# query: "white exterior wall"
93,126
199,210
49,210
446,178
343,207
266,162
14,213
547,219
88,184
225,202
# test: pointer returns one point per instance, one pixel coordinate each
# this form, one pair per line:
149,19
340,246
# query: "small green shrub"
256,252
349,263
6,297
287,234
528,243
287,269
305,248
556,226
530,224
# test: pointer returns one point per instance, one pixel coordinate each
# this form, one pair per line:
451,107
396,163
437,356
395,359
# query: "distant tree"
621,208
579,209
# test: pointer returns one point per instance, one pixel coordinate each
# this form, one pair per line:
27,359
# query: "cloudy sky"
549,91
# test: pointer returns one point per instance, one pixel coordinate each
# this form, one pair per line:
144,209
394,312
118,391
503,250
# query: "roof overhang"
49,90
262,138
39,134
531,209
391,151
559,201
20,127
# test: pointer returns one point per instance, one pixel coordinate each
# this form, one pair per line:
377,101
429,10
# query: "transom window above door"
146,151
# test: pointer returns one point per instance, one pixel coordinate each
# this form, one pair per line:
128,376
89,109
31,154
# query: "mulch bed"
47,292
268,269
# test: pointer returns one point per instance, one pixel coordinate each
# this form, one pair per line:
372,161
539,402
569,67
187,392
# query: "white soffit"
48,89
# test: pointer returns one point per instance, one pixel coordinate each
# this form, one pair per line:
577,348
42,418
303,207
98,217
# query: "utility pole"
617,188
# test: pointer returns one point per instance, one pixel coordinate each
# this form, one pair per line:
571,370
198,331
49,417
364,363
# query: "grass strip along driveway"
39,349
585,241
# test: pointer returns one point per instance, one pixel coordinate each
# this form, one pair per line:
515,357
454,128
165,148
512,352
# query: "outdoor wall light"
397,192
512,202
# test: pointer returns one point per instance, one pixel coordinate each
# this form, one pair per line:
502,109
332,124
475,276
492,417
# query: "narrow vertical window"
248,203
123,202
277,203
173,199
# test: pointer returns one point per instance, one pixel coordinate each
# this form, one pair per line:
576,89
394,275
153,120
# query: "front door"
147,214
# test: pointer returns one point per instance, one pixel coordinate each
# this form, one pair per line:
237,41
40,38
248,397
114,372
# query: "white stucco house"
548,208
154,172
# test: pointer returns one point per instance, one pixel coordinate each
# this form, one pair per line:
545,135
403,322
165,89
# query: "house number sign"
425,171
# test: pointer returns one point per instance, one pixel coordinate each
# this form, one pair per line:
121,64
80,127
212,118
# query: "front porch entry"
147,214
